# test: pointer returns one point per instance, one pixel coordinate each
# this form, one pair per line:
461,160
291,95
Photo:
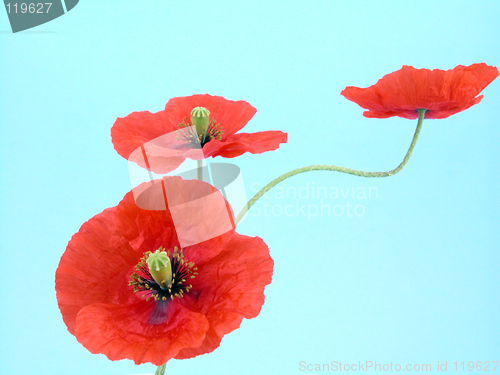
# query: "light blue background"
412,281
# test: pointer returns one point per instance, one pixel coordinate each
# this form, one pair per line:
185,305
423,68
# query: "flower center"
161,275
206,129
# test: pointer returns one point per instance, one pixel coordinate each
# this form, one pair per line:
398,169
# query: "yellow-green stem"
283,177
160,370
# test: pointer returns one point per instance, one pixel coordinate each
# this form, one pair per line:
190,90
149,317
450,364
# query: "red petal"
232,288
442,93
237,144
147,230
222,322
122,332
94,268
231,115
133,131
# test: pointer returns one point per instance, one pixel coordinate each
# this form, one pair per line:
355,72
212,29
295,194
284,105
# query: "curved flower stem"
283,177
160,370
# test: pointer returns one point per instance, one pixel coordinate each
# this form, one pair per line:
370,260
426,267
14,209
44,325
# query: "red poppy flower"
111,302
218,138
441,92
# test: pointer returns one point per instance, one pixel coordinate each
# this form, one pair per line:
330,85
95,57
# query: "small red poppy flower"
127,290
441,93
217,120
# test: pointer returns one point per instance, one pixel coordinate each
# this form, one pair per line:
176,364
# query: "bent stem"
160,370
283,177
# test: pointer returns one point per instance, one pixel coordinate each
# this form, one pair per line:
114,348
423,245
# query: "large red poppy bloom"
441,92
227,117
102,280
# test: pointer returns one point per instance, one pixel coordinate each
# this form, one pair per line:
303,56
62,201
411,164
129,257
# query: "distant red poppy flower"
441,92
113,305
217,138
